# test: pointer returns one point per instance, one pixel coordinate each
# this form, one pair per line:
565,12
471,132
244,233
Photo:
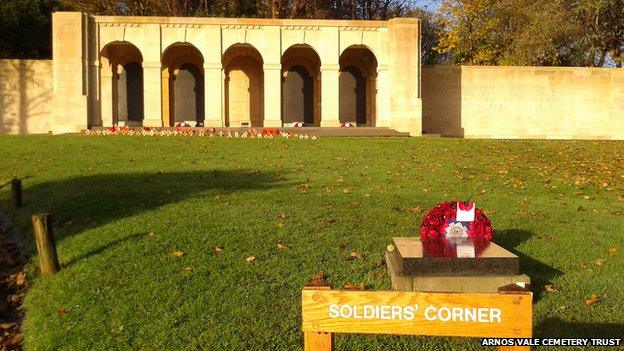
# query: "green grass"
557,204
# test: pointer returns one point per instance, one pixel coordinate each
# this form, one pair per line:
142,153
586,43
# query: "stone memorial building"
227,72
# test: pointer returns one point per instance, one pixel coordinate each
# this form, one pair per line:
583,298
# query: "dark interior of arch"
352,96
298,97
130,92
188,88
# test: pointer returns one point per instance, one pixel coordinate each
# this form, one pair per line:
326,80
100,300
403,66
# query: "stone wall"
25,96
523,102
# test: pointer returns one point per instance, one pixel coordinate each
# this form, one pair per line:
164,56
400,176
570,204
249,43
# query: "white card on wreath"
465,250
465,212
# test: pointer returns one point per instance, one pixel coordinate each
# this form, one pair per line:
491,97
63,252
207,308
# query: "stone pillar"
272,95
404,69
330,78
106,94
382,105
164,83
69,60
152,96
213,95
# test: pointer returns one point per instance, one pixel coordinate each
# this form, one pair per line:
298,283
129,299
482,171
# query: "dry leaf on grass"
61,312
318,279
280,225
390,247
599,262
177,253
282,246
592,299
351,286
217,248
151,234
612,251
347,191
549,288
304,186
356,255
250,258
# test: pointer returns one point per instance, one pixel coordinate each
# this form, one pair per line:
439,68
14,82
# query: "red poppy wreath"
456,219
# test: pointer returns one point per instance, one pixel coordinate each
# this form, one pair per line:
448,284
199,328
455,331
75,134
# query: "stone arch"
358,75
121,83
183,85
244,86
301,85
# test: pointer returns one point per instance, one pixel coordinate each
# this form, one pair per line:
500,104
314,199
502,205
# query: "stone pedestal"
409,269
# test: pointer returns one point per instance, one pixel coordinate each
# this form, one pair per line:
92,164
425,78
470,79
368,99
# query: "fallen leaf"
351,286
20,279
612,250
282,246
304,186
177,253
592,299
549,288
282,216
318,279
16,340
250,258
280,225
390,247
6,326
217,248
61,312
188,269
347,190
599,262
151,234
356,255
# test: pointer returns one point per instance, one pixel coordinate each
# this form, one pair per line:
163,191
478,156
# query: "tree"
602,23
26,28
430,30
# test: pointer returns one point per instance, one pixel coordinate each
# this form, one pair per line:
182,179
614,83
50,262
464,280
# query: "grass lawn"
557,204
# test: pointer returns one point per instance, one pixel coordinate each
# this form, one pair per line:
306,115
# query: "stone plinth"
410,270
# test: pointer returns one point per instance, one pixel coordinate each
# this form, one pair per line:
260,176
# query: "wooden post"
44,235
16,193
514,289
313,341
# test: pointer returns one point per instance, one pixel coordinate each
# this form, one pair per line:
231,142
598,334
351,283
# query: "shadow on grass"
103,248
94,200
540,273
557,328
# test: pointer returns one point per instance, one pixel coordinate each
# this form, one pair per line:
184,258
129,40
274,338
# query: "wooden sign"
500,315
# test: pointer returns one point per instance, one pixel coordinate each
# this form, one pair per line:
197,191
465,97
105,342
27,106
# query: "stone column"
404,77
272,95
106,94
330,78
164,83
213,95
152,96
382,103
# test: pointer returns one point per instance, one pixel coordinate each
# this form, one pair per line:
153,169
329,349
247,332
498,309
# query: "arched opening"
183,85
122,83
358,74
244,86
301,86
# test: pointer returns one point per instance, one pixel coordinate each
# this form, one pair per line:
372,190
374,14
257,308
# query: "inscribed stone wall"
25,96
523,102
